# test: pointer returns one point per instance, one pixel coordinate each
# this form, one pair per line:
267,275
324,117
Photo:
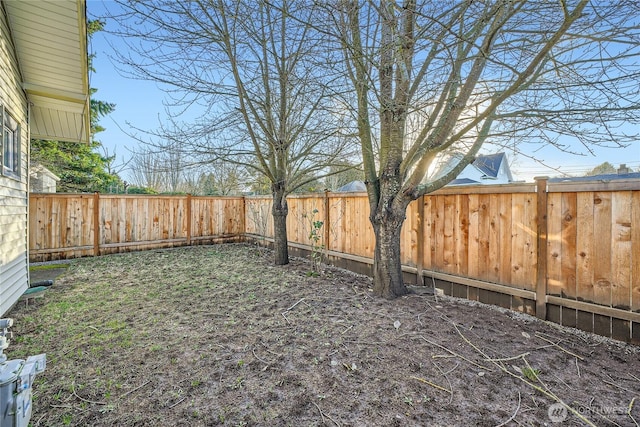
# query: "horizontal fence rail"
565,252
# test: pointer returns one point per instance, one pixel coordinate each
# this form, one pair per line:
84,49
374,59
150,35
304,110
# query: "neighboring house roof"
490,164
50,38
486,168
352,187
604,177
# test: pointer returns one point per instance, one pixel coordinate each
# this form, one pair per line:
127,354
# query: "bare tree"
252,70
223,178
433,77
147,170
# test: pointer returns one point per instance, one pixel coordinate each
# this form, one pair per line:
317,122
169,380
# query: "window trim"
8,124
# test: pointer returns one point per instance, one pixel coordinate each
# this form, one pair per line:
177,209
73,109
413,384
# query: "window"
10,145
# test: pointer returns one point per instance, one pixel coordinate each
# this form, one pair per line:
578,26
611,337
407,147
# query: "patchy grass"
45,267
216,335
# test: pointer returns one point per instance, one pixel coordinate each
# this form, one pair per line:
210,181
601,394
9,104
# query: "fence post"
420,242
541,282
244,219
96,224
188,213
326,225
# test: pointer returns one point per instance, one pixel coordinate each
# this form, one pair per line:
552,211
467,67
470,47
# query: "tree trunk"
279,210
387,267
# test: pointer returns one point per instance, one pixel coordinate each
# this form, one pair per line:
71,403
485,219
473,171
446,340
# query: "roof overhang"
50,38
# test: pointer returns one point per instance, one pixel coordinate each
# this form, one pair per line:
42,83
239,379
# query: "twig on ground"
447,378
544,390
558,346
584,408
629,411
73,391
322,414
134,390
178,402
577,367
512,416
455,354
617,386
422,380
319,410
273,352
67,407
506,359
290,308
285,317
452,369
343,332
256,356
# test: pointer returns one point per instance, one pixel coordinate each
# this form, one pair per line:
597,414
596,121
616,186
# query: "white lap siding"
14,266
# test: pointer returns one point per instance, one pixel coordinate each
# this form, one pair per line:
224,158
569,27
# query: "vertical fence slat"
188,209
541,282
96,224
420,242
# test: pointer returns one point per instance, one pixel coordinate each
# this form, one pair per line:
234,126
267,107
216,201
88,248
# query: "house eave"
50,39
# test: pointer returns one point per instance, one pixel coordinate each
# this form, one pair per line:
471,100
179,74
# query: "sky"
139,104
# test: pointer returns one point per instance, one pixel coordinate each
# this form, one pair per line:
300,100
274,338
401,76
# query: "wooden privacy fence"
565,252
74,225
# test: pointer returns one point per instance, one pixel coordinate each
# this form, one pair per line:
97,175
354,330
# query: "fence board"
554,244
474,239
602,248
621,250
504,213
585,248
427,234
568,261
635,245
494,265
518,241
409,235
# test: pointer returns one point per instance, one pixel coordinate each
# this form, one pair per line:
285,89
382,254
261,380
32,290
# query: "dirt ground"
217,335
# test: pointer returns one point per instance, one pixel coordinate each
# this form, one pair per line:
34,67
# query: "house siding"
14,267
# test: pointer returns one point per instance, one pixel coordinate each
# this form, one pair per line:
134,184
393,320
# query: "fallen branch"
558,346
506,359
447,378
629,411
319,410
178,402
290,308
323,415
546,391
285,317
256,356
134,390
73,391
422,380
453,353
512,416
